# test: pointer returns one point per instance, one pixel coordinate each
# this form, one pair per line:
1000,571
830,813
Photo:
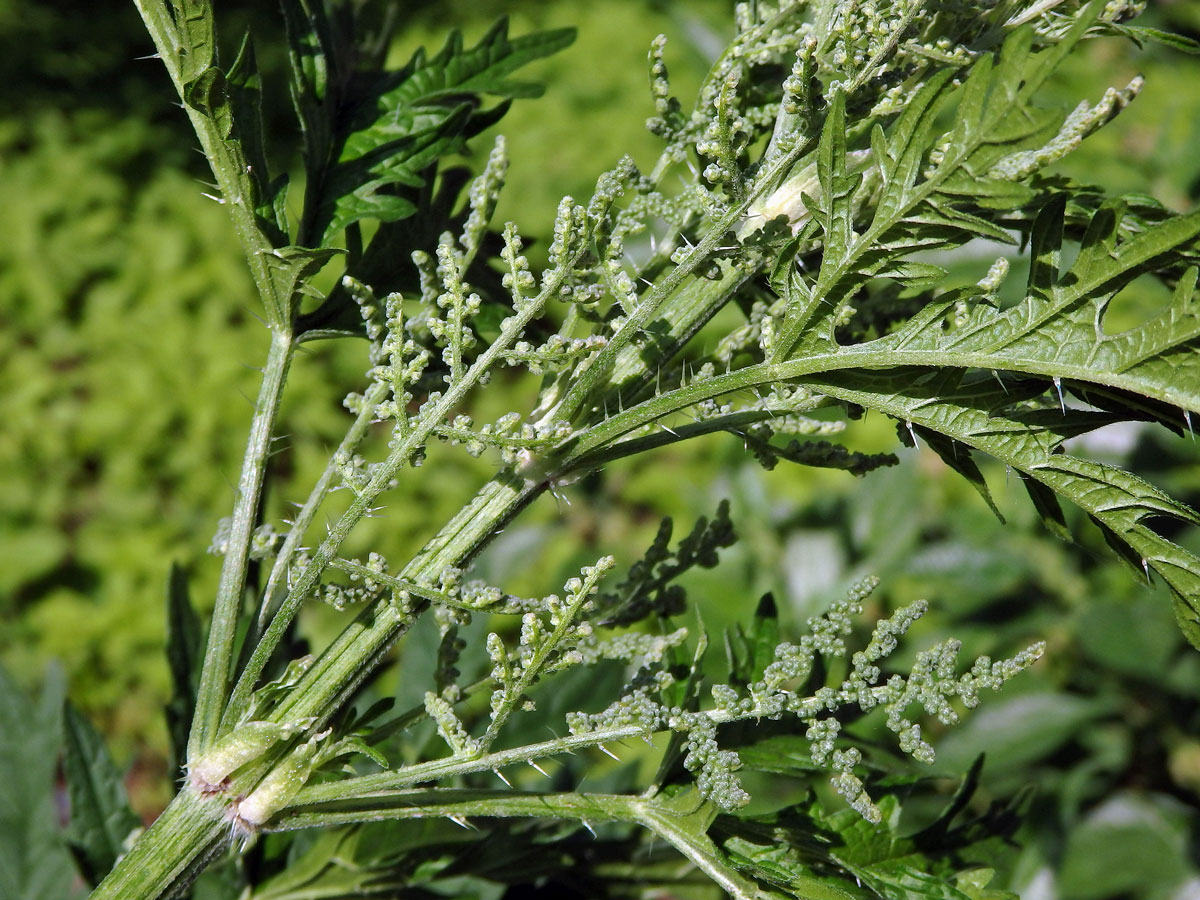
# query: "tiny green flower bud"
277,789
210,773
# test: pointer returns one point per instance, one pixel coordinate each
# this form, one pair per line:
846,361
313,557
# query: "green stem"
699,849
602,436
237,193
684,831
170,855
339,670
228,166
364,641
514,694
654,306
427,803
688,310
344,665
307,513
452,766
507,604
635,446
681,307
222,635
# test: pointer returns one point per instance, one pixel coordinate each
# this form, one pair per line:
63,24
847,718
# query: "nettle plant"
834,152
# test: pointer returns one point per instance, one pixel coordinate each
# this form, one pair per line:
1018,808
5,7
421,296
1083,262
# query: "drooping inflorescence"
931,684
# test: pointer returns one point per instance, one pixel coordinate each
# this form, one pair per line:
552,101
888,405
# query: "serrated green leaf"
764,634
197,39
1142,33
243,85
1048,508
101,819
752,649
781,755
942,214
358,186
1030,442
863,844
908,142
1054,333
973,105
1045,63
356,744
309,39
958,457
34,862
392,126
1054,330
831,173
899,881
208,95
770,864
1045,248
245,89
911,273
997,120
481,69
789,848
291,267
987,191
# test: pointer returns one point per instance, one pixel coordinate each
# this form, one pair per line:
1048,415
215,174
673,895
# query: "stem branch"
171,854
222,635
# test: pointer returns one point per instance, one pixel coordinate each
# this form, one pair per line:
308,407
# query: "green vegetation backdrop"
120,284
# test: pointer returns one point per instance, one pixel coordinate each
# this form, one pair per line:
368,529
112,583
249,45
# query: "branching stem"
219,653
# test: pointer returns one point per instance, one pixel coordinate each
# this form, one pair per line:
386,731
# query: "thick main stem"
193,828
170,854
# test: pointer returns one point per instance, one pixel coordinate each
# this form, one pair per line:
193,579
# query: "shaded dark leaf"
101,820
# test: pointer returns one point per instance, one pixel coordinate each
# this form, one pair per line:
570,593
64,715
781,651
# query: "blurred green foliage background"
127,347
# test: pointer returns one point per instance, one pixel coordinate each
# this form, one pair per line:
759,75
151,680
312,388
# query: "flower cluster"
931,684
